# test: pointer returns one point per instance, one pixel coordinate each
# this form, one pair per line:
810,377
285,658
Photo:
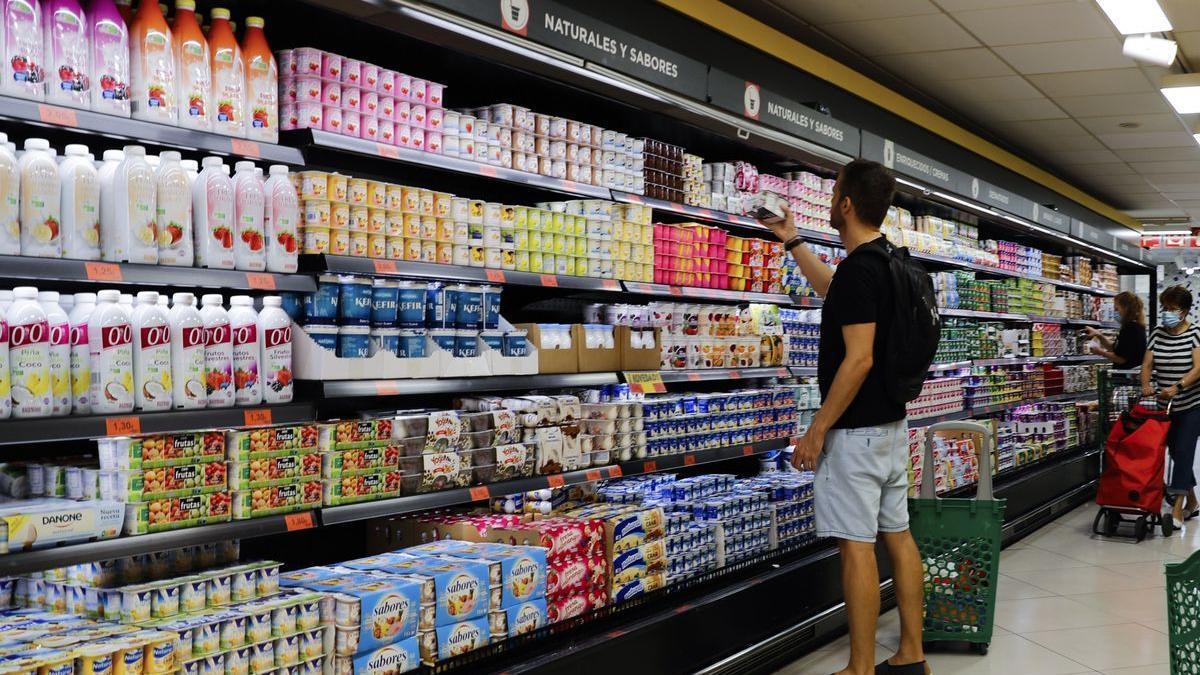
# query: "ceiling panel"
1108,169
1114,104
1189,42
1114,181
1057,57
903,35
1111,125
964,5
1092,82
1184,14
1150,139
1167,167
1035,23
937,67
1006,88
1181,153
1045,146
833,11
1070,157
1014,111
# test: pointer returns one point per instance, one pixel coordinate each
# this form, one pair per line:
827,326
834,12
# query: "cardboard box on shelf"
646,358
552,360
594,360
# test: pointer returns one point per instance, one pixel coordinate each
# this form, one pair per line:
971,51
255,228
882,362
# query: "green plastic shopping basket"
959,540
1183,615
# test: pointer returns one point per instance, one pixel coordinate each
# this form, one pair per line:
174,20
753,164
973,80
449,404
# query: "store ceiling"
1046,78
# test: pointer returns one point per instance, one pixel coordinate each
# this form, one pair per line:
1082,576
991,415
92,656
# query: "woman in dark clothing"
1129,347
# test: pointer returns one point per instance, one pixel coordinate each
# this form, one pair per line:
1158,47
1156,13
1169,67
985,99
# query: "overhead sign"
1003,199
1152,240
1053,219
911,163
555,25
772,109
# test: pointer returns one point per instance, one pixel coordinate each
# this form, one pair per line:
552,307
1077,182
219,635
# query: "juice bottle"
79,199
152,65
212,216
23,69
59,361
40,216
10,200
109,38
68,53
192,168
247,350
218,352
28,355
174,211
192,64
249,203
110,350
187,352
262,84
276,359
151,354
128,206
81,362
281,217
228,76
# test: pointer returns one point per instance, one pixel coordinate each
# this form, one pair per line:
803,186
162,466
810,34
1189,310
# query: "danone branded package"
383,609
398,657
519,570
35,523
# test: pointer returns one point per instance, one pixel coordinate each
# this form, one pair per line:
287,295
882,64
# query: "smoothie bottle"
5,384
67,53
262,84
228,76
151,354
192,64
28,355
79,199
218,352
110,350
247,350
212,216
187,352
128,208
59,362
24,72
275,362
249,245
152,65
174,211
281,217
40,202
10,200
109,38
81,362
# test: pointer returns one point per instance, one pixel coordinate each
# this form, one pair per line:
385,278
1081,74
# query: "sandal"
885,668
1192,515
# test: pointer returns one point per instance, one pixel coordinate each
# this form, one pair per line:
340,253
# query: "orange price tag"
549,280
735,374
693,377
258,417
389,151
615,472
556,481
610,284
649,466
487,170
102,271
385,266
299,521
675,290
265,282
52,114
747,449
123,426
387,389
495,276
480,493
592,474
242,146
689,459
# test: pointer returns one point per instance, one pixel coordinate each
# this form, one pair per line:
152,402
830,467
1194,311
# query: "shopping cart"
1131,484
1183,615
959,540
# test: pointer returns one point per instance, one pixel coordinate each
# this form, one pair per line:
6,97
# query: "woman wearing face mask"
1170,372
1128,350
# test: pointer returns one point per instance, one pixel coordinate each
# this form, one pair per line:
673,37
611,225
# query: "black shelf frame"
108,273
464,385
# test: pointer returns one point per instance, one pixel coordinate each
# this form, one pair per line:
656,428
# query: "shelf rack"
107,273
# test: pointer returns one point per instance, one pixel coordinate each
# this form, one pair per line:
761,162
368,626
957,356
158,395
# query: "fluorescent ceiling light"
1183,92
1136,16
1152,50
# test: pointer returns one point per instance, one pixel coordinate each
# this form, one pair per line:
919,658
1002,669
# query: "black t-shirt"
1131,344
859,293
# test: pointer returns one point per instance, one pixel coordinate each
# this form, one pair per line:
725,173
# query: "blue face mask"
1171,319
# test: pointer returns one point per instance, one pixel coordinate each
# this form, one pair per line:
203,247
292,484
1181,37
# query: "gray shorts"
862,482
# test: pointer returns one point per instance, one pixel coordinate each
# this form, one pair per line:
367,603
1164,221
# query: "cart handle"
984,492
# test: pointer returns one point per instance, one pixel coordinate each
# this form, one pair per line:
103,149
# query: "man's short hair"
870,187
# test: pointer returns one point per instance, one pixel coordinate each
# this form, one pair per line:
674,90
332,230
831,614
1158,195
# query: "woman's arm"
1189,378
1116,359
1147,370
1105,341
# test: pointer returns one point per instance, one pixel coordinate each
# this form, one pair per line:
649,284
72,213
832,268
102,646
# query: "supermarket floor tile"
1067,603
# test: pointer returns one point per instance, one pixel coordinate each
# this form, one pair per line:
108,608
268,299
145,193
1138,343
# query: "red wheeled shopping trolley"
1131,485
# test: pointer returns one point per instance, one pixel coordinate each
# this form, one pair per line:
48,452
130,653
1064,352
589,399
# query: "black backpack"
916,326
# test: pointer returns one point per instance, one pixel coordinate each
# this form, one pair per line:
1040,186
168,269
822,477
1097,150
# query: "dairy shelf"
99,272
710,374
35,114
963,264
342,264
999,407
461,385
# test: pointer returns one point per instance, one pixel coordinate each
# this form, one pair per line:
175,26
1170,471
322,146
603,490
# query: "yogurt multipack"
381,610
461,587
520,571
398,657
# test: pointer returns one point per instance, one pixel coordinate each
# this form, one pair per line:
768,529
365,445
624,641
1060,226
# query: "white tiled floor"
1067,603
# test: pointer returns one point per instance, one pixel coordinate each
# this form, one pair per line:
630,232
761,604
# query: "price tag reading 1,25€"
645,382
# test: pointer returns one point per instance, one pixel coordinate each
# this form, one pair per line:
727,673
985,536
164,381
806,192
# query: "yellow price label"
646,382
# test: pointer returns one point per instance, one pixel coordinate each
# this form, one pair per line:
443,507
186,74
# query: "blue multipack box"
384,609
398,657
519,570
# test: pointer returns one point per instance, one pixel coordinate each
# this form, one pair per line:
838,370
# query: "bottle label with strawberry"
154,77
250,247
262,99
229,90
110,56
69,56
174,219
246,382
285,218
218,365
24,69
195,85
40,209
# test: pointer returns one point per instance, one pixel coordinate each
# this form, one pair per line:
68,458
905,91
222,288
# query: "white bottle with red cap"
218,352
247,350
151,354
187,352
28,355
59,327
81,362
110,350
275,326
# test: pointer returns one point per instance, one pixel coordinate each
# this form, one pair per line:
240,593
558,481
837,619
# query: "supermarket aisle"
1066,604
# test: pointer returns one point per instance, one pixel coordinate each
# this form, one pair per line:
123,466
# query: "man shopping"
858,440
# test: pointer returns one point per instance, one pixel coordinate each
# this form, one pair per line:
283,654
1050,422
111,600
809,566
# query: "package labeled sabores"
519,619
266,501
456,639
174,513
371,611
121,453
398,657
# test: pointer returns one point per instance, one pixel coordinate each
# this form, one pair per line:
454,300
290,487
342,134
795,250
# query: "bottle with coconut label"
212,216
187,352
262,84
126,303
5,385
228,76
110,351
68,54
174,202
28,355
79,195
40,206
193,64
247,350
10,200
24,72
59,327
152,66
249,202
128,208
218,353
281,218
275,326
151,354
81,362
109,37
